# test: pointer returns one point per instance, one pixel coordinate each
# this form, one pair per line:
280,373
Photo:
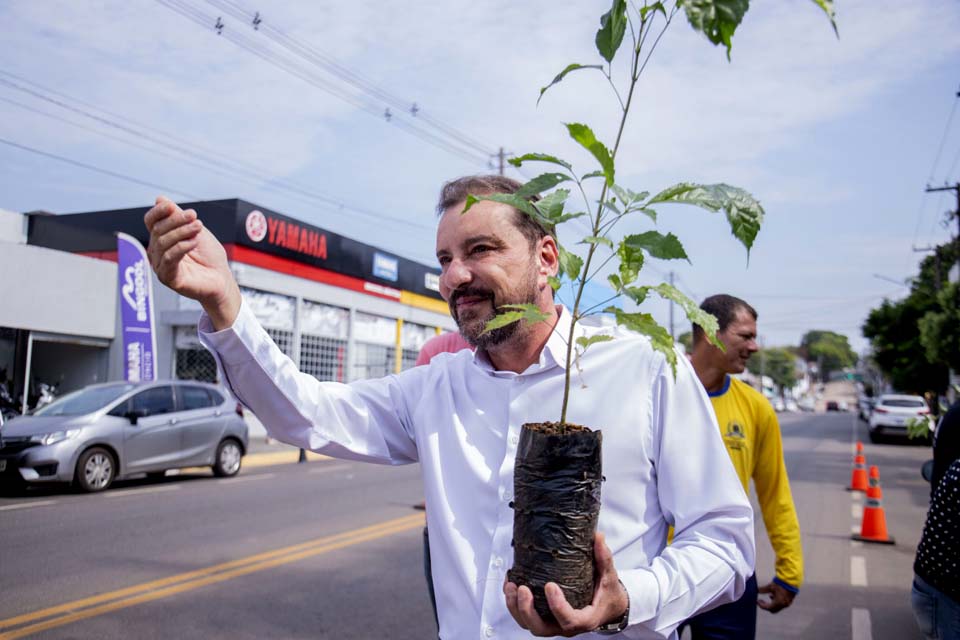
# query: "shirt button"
497,562
514,439
488,631
507,495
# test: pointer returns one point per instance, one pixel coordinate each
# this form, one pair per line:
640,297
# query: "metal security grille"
323,358
373,361
196,364
409,358
284,340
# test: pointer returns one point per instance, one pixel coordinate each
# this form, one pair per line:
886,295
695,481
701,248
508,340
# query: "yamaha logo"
256,226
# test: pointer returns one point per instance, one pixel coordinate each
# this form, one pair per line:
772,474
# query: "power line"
271,57
921,209
189,152
84,165
332,66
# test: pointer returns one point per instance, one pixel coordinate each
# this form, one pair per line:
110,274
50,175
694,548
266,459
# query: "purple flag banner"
135,283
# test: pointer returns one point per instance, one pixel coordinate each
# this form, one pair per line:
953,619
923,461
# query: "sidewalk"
264,452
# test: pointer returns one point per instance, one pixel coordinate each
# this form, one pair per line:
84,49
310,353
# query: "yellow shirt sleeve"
776,501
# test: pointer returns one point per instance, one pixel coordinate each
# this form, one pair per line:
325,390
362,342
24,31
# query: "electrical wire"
329,64
271,57
192,154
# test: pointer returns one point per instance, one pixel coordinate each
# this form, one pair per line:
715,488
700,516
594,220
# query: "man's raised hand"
188,258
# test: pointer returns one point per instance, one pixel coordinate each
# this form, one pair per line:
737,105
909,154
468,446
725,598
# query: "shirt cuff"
643,589
229,343
789,587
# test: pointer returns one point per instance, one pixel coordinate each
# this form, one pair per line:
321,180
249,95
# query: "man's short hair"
725,308
456,191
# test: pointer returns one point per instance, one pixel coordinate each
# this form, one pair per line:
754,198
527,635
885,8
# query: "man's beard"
472,328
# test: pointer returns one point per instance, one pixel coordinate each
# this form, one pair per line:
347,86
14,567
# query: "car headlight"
53,438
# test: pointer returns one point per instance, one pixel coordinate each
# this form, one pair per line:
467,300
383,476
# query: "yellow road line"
165,587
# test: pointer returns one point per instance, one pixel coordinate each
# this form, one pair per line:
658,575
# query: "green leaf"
513,200
554,282
631,262
597,240
665,247
656,6
570,263
637,294
541,183
560,76
594,174
613,24
539,157
716,19
615,282
611,204
743,211
583,342
830,10
694,313
526,312
551,205
650,213
584,135
644,323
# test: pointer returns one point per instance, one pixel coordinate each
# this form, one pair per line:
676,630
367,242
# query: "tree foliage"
830,350
777,362
915,340
639,26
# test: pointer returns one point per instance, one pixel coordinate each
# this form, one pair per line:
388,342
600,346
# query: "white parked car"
892,412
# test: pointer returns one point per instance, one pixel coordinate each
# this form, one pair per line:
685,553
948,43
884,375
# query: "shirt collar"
723,389
554,352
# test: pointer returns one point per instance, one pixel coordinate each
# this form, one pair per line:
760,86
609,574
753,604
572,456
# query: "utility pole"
956,189
500,156
672,334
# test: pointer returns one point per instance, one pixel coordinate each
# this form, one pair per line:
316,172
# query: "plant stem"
582,280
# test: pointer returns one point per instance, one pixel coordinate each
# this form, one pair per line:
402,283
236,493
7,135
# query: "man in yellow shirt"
751,433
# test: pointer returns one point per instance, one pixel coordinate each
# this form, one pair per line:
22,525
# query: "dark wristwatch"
618,625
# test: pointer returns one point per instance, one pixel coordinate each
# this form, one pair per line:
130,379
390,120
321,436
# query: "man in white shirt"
460,418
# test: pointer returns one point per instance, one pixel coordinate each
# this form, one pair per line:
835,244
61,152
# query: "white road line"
340,467
27,505
858,571
258,476
856,544
856,510
855,528
860,623
137,492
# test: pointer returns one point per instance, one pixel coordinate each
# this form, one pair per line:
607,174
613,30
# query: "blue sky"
837,138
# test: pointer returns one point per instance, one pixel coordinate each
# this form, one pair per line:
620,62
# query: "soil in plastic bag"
556,503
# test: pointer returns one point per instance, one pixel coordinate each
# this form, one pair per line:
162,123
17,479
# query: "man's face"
740,339
486,262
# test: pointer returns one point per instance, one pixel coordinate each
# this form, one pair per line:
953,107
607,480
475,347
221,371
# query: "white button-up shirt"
663,461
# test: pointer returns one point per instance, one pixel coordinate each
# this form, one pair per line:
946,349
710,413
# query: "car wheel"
228,459
96,470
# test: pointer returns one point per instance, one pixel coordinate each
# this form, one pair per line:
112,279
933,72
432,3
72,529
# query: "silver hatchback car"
103,432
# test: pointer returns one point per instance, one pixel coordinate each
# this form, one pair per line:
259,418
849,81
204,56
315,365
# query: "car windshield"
904,403
85,401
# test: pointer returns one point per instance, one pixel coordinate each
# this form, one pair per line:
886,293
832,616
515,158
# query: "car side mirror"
927,470
133,416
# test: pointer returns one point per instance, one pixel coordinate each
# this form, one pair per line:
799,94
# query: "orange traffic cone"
873,483
858,480
873,527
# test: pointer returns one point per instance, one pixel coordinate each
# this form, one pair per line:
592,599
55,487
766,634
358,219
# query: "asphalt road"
331,549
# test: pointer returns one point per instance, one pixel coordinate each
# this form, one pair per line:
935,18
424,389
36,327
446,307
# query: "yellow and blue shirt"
751,433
